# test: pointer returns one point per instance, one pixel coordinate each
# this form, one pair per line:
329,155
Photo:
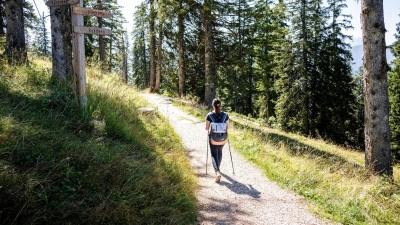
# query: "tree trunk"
144,61
376,102
124,75
2,19
181,59
15,39
102,46
110,53
209,94
152,48
306,125
61,41
159,61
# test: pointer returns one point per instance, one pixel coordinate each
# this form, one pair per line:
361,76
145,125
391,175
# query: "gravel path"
246,197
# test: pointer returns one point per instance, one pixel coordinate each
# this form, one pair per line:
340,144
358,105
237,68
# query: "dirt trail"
246,197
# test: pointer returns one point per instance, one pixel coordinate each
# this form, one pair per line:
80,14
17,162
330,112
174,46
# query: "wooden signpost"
92,30
78,44
52,3
91,12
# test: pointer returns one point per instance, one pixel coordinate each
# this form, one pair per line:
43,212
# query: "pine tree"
268,31
61,43
316,93
41,40
181,48
334,90
2,18
15,38
235,55
210,69
125,55
378,156
152,46
164,13
297,70
394,97
140,67
194,63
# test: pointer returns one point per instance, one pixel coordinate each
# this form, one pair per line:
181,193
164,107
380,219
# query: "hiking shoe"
218,177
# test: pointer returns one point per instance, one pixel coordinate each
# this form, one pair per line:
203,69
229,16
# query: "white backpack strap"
211,117
223,120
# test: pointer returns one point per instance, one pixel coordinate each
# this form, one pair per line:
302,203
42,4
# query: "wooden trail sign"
91,12
61,2
78,43
92,30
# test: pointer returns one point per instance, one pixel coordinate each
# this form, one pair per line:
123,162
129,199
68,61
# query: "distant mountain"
357,52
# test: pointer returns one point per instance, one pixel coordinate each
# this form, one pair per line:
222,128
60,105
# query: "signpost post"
78,44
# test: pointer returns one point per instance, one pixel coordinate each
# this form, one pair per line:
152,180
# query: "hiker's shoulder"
209,115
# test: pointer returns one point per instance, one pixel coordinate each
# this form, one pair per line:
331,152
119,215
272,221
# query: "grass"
332,179
107,165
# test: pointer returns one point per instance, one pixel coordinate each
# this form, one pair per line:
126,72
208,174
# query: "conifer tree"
124,55
181,48
268,31
294,104
334,90
394,97
235,55
152,46
378,156
41,41
2,19
61,43
164,13
194,64
15,38
316,94
140,67
209,60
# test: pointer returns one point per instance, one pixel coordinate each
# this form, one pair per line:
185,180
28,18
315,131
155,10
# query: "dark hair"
217,107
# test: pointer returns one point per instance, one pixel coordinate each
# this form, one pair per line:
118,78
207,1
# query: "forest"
286,64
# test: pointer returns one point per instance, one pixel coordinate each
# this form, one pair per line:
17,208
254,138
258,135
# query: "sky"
391,10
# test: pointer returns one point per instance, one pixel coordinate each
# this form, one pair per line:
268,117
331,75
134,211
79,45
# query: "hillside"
107,165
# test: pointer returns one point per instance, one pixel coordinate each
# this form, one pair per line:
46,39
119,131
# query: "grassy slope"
332,179
110,166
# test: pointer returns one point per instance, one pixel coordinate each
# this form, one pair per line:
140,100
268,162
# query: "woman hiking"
218,121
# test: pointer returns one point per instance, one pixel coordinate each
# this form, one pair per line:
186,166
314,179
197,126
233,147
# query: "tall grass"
332,179
107,165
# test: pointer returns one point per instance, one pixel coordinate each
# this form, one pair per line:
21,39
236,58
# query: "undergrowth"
332,179
106,165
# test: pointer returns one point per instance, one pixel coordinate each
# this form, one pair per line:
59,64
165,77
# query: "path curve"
246,197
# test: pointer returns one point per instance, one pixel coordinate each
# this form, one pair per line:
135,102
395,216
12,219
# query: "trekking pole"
231,156
207,151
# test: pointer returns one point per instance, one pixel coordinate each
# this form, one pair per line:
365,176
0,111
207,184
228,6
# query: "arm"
207,125
228,125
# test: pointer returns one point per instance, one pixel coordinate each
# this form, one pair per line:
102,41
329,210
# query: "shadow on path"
240,188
